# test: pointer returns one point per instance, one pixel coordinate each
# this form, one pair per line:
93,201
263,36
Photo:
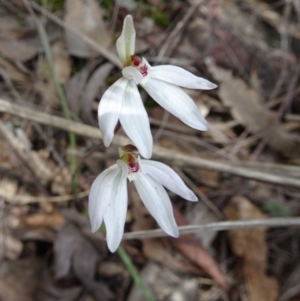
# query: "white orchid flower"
123,102
108,196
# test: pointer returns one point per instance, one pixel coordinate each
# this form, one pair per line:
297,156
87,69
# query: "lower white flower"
108,196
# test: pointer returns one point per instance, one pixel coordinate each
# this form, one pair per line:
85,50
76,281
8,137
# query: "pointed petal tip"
192,197
94,228
175,233
106,141
112,248
212,86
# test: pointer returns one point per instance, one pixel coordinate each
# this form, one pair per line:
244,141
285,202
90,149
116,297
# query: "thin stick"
159,153
219,226
27,199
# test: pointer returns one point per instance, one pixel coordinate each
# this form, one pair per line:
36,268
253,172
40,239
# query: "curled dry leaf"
77,254
86,17
250,244
247,109
193,250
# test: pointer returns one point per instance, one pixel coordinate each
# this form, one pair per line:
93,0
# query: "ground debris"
251,246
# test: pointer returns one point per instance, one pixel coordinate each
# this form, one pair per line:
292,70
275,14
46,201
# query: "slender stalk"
134,273
62,97
131,269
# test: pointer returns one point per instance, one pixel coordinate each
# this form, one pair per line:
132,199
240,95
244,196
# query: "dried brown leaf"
86,17
19,279
14,74
77,255
41,220
250,244
193,250
247,109
17,50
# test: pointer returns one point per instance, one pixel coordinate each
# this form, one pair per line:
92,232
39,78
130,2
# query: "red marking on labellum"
144,70
133,164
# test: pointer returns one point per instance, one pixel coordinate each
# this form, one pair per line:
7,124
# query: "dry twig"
160,153
219,226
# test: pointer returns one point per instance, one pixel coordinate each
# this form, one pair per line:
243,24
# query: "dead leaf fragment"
250,244
19,279
78,255
17,50
193,250
86,17
247,109
15,74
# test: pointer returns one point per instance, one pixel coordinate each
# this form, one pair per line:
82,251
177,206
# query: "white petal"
100,195
109,109
134,120
180,77
166,176
157,202
177,102
115,213
126,41
132,73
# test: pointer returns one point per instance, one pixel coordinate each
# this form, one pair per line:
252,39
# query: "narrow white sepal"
100,195
126,41
177,102
132,73
115,213
110,108
180,77
135,122
167,177
157,202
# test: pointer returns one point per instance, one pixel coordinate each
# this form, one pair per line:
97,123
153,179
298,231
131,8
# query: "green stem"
63,101
132,270
134,273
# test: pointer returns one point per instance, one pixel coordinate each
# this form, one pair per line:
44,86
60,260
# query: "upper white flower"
123,102
108,196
